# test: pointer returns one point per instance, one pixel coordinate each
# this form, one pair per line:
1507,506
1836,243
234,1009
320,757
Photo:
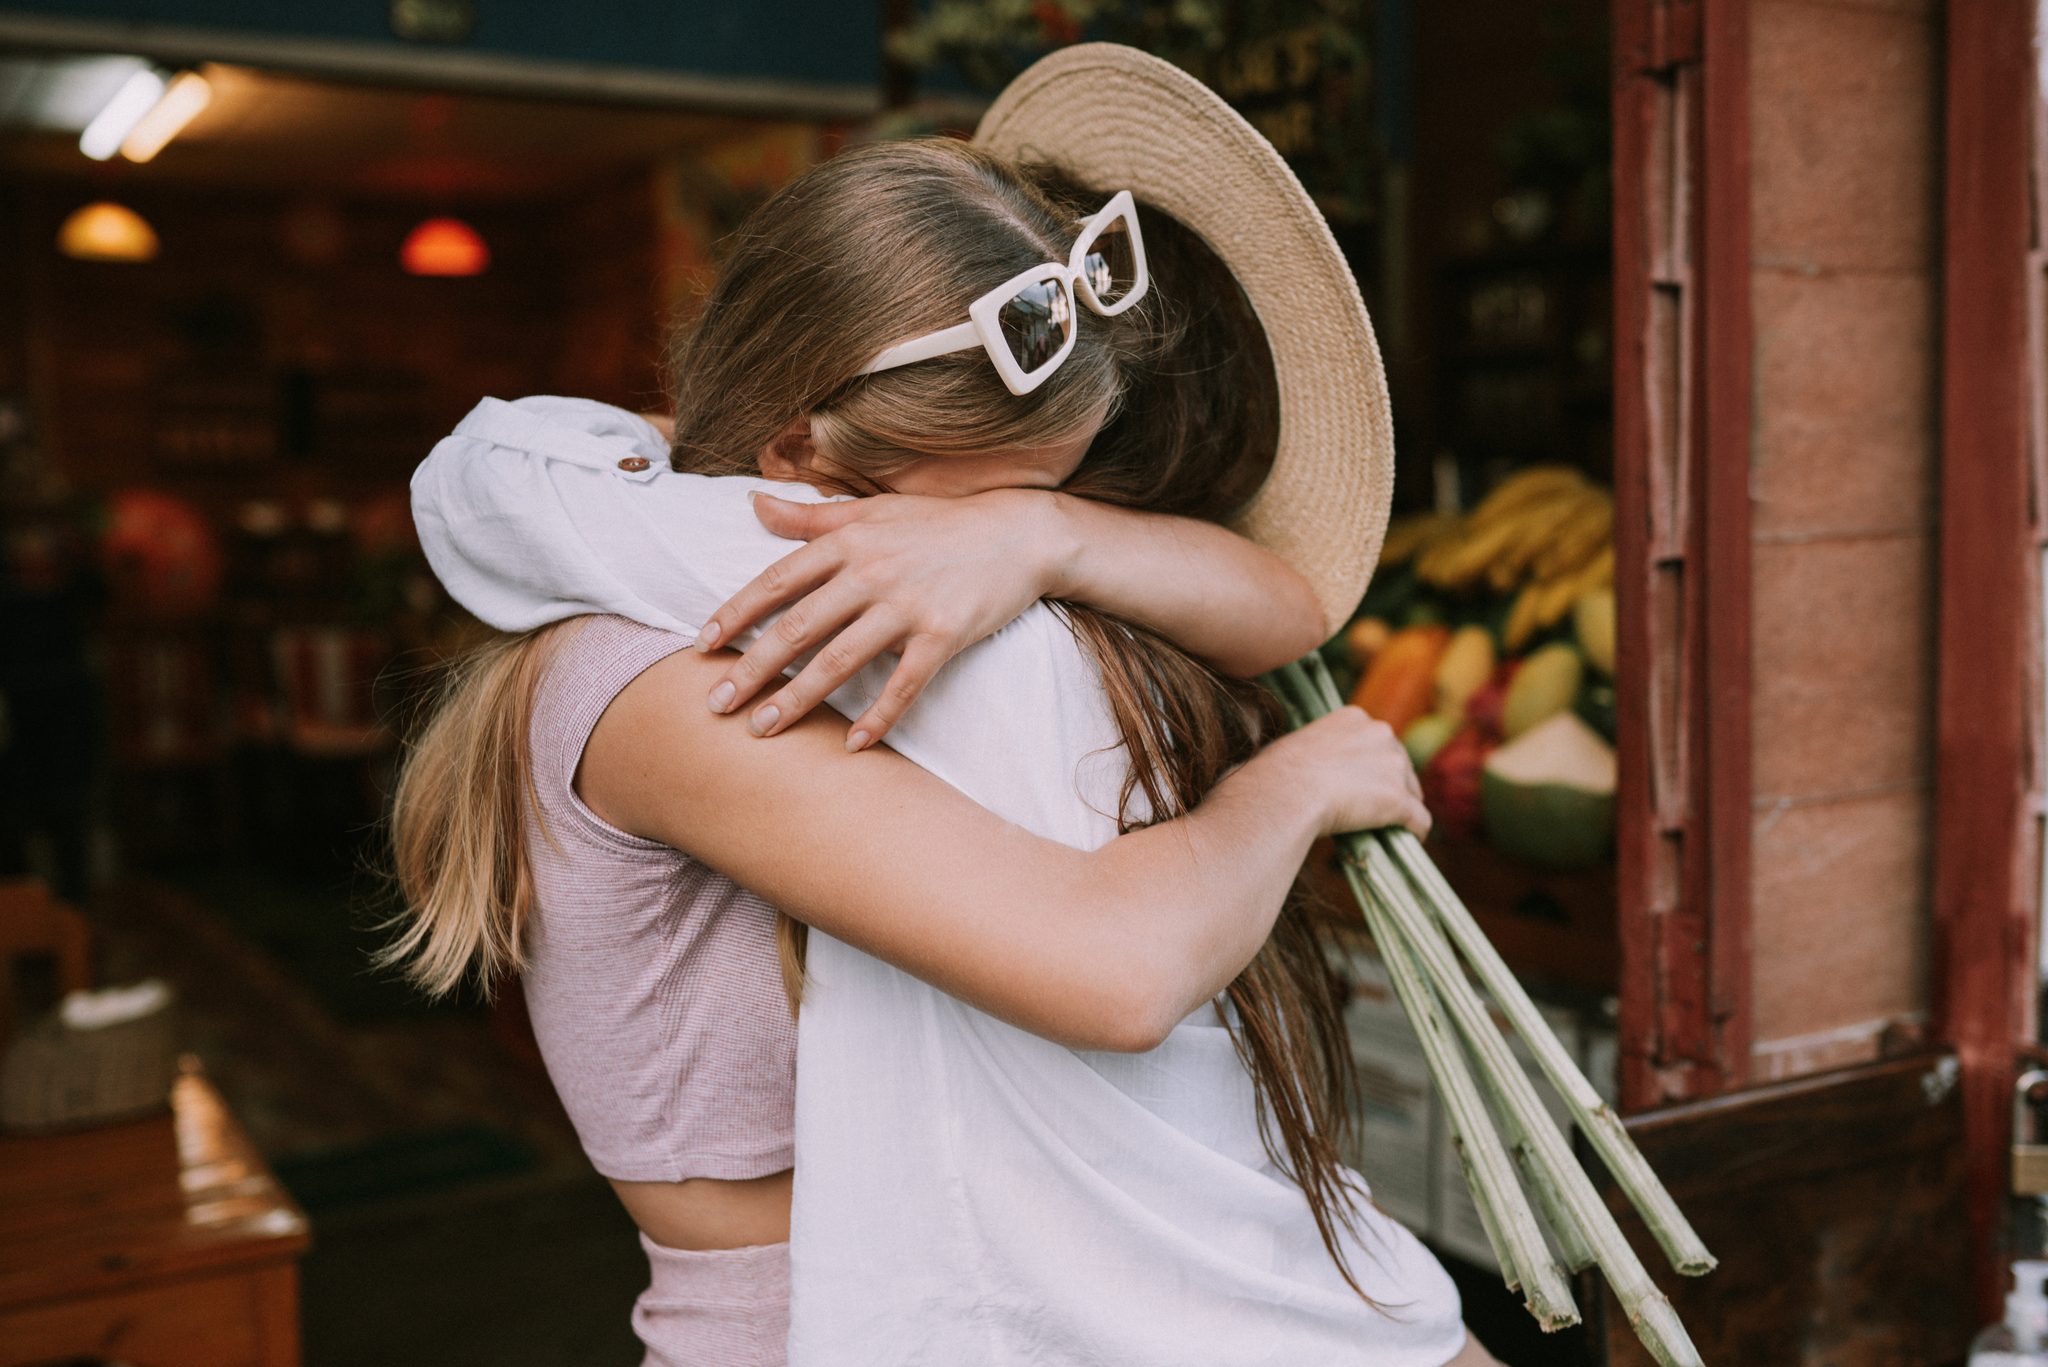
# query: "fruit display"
1545,685
1544,538
1466,665
1452,780
1401,682
1488,643
1548,795
1593,624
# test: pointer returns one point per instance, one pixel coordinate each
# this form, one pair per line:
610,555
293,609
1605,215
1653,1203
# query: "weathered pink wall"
1845,115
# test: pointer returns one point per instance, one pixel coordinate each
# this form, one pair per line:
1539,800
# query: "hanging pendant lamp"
106,231
444,247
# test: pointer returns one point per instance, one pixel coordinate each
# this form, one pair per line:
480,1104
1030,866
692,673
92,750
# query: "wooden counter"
164,1241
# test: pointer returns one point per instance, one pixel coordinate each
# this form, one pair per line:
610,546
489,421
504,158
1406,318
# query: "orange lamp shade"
444,246
106,231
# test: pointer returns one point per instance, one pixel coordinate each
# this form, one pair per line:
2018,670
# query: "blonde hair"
887,241
458,833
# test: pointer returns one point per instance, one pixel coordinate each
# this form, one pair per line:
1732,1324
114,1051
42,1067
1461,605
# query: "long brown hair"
890,240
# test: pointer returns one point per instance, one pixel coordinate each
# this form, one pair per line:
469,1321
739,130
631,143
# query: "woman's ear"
790,455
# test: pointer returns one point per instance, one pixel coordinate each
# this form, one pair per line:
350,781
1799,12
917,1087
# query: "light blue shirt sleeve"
548,507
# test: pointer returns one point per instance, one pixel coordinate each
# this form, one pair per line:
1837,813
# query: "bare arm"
927,577
1201,586
1104,949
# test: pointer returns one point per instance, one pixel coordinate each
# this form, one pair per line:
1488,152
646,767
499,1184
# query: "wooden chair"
34,925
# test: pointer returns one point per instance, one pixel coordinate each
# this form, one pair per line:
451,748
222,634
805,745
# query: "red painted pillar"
1683,344
1983,879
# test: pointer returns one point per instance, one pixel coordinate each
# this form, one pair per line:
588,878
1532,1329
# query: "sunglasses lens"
1037,322
1111,266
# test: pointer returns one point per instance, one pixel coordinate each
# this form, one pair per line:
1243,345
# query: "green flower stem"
1572,1247
1648,1311
1409,904
1487,1222
1525,1260
1594,1117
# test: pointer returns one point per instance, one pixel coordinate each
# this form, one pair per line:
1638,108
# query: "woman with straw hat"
1048,1202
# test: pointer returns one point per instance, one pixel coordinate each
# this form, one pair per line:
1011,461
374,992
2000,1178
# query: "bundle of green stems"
1415,919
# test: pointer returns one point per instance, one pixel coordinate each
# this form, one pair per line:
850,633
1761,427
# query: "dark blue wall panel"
830,41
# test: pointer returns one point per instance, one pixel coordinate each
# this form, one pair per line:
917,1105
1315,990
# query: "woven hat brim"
1118,118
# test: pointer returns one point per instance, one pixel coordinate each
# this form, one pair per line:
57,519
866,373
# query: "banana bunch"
1547,529
1544,602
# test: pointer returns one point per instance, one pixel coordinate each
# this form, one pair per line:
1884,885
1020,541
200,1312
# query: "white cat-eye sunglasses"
1027,323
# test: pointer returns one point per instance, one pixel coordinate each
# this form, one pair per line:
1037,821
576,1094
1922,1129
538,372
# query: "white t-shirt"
966,1193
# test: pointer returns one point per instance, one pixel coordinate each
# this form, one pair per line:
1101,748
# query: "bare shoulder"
669,698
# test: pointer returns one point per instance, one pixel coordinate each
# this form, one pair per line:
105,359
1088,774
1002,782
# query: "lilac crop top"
653,981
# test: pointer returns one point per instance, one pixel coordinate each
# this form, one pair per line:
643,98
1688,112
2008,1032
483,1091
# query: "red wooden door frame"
1984,879
1682,543
1682,456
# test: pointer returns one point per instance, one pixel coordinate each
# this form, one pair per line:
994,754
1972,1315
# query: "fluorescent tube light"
187,94
103,136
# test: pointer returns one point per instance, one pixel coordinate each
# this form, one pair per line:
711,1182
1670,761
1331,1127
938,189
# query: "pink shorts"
722,1307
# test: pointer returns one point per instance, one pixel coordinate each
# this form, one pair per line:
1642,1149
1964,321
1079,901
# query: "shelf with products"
258,646
1526,356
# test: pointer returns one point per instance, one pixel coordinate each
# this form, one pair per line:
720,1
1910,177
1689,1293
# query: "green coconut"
1548,795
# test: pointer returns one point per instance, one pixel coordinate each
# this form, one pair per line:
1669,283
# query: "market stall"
1704,612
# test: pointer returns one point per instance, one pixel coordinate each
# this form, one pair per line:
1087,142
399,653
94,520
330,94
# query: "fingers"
839,661
1414,811
802,627
796,574
1417,819
1405,803
1385,764
1412,781
922,658
803,521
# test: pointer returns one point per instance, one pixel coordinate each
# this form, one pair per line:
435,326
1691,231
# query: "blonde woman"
592,804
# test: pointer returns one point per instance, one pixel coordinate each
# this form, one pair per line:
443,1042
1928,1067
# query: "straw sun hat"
1117,118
